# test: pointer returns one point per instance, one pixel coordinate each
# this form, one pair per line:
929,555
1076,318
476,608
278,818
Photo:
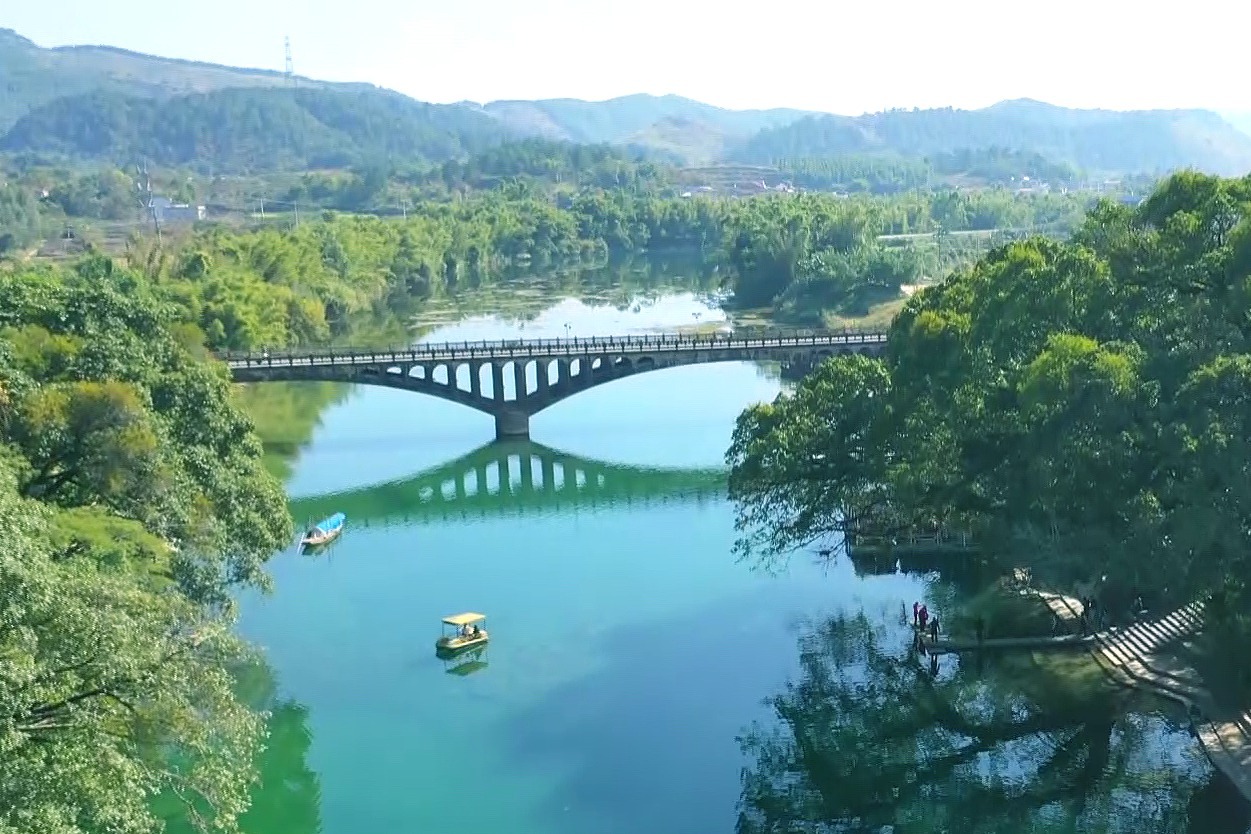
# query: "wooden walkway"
945,645
1140,656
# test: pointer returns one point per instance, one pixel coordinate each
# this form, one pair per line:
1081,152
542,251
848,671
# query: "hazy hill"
689,140
1095,140
33,76
100,102
259,129
620,119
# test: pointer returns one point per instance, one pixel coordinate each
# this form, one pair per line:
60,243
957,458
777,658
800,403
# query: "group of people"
921,620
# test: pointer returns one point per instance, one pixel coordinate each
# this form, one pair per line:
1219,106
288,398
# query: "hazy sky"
846,57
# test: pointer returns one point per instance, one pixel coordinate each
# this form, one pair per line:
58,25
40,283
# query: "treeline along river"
639,678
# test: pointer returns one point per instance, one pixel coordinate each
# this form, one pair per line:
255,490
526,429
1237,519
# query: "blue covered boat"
326,530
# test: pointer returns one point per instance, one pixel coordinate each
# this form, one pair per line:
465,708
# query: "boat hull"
454,645
314,539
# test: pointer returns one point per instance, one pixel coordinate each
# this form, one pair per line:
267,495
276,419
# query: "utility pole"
290,65
145,190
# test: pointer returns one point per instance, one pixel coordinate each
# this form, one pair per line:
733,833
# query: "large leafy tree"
132,499
112,688
1078,399
112,410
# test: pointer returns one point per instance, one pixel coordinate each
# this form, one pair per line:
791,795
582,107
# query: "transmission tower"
290,67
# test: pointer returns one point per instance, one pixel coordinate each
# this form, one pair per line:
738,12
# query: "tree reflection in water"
868,741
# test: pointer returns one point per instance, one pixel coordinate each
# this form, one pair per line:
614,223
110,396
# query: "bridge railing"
573,346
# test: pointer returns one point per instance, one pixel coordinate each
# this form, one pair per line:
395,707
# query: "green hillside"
34,76
620,119
280,128
1094,140
103,104
692,141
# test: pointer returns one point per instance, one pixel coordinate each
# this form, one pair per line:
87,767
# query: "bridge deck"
572,348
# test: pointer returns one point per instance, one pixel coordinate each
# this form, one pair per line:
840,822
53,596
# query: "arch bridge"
513,380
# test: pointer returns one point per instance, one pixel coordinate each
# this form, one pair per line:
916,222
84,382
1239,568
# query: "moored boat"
325,530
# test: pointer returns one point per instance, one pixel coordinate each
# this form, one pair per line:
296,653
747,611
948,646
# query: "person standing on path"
934,630
916,614
925,617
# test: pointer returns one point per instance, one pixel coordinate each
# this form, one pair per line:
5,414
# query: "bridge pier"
512,425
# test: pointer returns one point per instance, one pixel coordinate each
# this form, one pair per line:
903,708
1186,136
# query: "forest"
133,504
1069,399
802,256
1076,405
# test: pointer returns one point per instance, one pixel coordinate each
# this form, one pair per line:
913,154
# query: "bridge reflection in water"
512,478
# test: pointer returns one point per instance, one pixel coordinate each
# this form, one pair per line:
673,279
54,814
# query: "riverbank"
1150,655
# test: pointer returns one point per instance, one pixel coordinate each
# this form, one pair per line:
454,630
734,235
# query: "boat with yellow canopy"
468,632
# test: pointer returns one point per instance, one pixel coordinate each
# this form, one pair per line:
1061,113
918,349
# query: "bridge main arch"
498,376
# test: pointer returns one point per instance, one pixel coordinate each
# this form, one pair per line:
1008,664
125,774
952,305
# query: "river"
627,684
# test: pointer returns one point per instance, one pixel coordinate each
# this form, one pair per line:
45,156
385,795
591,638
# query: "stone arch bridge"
512,380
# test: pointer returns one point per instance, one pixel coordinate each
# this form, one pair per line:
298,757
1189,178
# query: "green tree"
1072,402
112,691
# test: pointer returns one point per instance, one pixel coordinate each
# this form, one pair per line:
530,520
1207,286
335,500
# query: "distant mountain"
99,102
691,141
619,119
250,130
31,76
1096,140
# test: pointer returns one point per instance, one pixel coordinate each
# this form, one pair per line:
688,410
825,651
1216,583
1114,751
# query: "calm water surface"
629,650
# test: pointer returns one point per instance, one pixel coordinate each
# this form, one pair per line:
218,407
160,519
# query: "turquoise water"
629,649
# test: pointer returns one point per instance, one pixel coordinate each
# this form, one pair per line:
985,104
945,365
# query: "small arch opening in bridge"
623,364
551,371
417,372
645,363
531,377
464,377
509,373
483,378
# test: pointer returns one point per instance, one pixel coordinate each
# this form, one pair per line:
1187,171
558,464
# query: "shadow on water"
866,740
648,741
511,478
287,796
861,739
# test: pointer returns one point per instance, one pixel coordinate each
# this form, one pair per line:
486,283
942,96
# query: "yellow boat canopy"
468,618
